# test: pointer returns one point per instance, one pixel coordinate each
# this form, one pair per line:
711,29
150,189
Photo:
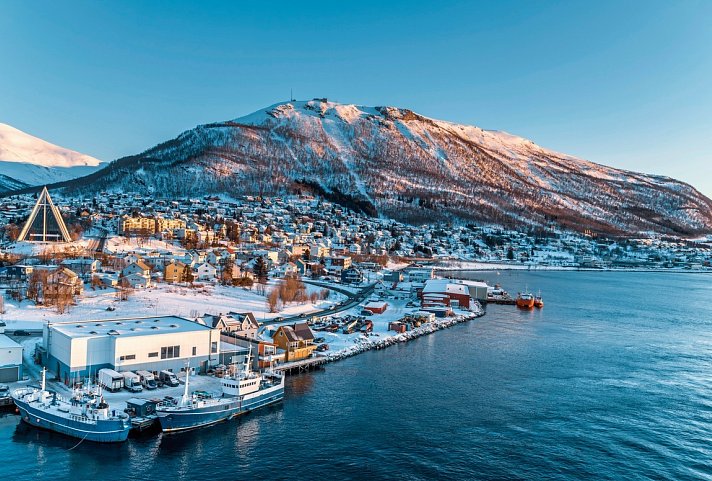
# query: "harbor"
143,413
496,361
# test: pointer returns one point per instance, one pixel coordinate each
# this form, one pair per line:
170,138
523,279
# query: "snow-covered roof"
7,343
139,326
445,285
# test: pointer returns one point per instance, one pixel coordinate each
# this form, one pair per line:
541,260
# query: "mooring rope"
80,442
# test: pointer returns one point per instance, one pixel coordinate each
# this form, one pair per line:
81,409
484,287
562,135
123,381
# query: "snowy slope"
393,162
8,183
34,161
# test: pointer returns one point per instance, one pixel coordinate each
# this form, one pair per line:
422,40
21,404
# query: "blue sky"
628,84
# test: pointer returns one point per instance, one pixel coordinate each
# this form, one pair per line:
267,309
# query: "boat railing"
82,419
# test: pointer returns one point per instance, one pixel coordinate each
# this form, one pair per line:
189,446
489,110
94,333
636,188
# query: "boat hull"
525,303
100,431
182,419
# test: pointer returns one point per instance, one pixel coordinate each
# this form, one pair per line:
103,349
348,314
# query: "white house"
137,268
205,272
137,281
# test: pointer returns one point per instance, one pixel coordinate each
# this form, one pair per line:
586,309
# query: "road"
97,245
354,298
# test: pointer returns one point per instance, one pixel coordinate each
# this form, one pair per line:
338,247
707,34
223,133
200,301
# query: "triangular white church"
45,223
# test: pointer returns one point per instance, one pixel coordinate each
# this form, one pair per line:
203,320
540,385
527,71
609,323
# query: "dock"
506,301
302,365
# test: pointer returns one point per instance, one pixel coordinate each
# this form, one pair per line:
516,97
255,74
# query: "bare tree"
273,300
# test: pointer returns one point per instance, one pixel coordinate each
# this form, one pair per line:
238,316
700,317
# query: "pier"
302,365
506,301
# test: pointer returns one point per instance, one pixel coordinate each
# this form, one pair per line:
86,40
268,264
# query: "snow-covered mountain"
32,161
393,162
8,183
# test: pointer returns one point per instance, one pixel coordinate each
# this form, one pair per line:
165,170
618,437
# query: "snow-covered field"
120,244
162,300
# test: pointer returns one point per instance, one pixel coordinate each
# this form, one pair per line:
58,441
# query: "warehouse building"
73,350
453,293
10,360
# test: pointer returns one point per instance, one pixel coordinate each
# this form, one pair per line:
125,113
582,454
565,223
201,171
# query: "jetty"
303,365
507,301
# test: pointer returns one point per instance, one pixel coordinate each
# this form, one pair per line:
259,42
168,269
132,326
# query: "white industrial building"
73,350
10,360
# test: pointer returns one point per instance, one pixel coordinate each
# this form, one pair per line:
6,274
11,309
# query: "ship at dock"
242,392
525,300
85,416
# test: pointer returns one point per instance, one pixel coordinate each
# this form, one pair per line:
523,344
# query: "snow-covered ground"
162,300
48,249
118,244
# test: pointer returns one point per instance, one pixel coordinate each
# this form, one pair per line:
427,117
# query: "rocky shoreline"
364,345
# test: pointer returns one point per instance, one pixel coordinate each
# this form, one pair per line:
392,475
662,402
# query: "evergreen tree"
261,271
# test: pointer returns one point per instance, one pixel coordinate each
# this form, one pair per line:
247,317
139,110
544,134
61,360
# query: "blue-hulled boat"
241,393
85,416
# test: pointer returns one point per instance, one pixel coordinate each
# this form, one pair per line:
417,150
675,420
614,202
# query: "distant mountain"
32,161
8,184
393,162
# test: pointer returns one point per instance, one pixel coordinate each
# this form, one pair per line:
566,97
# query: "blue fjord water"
611,380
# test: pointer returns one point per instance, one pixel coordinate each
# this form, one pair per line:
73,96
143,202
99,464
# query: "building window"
213,347
170,352
127,357
195,350
152,354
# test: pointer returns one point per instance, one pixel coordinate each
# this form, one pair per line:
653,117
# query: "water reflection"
299,385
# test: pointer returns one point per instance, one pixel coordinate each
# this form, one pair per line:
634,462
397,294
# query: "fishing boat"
242,392
86,415
538,301
525,300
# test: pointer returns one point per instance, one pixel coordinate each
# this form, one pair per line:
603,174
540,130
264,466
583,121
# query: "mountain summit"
394,162
28,160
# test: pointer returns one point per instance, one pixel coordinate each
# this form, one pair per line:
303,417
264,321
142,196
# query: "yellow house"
175,272
297,341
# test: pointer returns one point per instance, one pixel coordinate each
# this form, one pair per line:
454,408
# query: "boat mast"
187,376
44,383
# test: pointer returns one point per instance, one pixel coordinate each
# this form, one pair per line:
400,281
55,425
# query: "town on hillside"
300,277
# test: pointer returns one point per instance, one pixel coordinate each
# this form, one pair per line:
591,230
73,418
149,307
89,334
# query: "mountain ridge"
396,163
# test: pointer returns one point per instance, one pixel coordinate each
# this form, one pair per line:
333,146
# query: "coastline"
364,345
457,266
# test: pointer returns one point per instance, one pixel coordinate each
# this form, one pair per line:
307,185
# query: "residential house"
137,281
205,272
351,275
297,341
62,281
84,267
176,271
138,267
241,324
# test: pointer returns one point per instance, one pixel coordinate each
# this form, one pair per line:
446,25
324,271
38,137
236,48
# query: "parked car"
22,332
167,377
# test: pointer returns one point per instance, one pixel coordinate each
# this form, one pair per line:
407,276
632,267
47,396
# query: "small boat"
538,301
241,393
85,416
525,301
